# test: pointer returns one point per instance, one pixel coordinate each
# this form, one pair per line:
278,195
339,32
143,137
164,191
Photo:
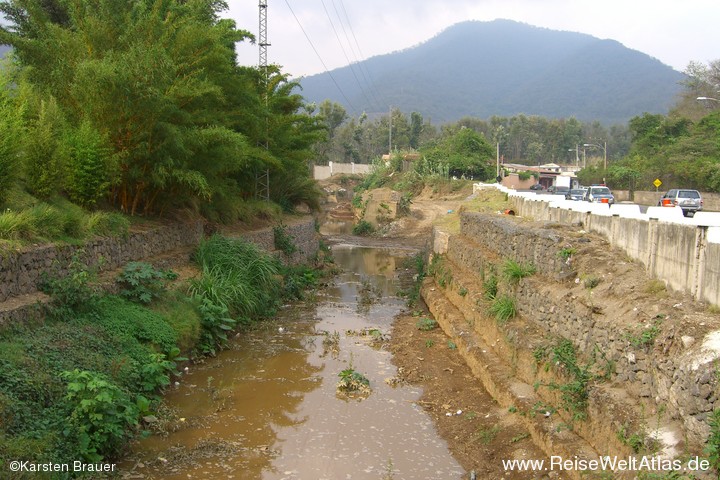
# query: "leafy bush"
101,414
426,324
216,322
363,227
297,279
712,447
71,292
141,282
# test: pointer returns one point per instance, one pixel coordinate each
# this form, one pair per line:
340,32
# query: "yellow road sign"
657,183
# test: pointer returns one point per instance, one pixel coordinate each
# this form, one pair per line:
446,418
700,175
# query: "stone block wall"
679,374
20,271
303,235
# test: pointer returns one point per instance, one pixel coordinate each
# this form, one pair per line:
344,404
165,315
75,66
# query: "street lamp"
577,155
604,149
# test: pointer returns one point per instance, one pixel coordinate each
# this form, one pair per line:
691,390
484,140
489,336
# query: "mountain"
504,68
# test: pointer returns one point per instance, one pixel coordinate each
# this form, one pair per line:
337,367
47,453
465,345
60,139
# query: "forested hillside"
505,68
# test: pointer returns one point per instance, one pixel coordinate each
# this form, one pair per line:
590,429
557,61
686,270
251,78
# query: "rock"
687,341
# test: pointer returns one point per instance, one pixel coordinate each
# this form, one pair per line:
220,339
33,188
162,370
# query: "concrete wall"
673,248
321,172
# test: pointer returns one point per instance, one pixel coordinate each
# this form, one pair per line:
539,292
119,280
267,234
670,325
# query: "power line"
357,80
320,58
363,69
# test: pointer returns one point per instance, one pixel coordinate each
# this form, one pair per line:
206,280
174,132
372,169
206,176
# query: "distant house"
546,175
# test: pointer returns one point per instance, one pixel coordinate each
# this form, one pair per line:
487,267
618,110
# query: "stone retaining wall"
21,271
678,374
167,246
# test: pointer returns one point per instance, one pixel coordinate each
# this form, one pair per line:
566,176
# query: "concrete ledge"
627,210
667,214
713,235
707,219
600,209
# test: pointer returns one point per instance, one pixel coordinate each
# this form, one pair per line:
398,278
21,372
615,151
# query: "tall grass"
46,222
239,276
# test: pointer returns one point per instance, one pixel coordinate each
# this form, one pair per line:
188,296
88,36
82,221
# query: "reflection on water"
336,227
267,407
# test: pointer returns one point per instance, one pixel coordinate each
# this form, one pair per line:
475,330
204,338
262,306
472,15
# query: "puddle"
267,407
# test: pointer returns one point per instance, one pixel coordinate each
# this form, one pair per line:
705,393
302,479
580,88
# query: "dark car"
537,186
562,190
599,194
576,194
689,200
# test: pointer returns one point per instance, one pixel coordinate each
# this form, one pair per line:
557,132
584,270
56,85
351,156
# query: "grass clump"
503,308
514,271
237,275
490,287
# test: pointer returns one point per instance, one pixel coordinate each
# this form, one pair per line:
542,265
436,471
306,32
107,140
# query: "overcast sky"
673,31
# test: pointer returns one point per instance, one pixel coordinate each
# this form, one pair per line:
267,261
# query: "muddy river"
267,407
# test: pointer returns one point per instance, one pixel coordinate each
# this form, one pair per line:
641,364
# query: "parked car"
537,186
689,200
576,194
599,194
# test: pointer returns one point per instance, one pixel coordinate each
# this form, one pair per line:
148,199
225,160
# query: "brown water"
267,407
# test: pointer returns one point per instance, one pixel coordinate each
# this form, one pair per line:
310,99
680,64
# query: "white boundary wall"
321,172
682,252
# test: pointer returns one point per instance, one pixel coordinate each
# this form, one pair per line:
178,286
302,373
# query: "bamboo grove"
140,105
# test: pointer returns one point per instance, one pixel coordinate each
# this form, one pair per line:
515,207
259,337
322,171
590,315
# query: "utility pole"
262,179
390,132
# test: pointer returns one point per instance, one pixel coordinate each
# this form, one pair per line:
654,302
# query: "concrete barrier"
683,252
708,219
665,213
628,210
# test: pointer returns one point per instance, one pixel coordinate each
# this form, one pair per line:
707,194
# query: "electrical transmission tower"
262,179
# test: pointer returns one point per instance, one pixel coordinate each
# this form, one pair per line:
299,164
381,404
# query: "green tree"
89,165
43,156
12,128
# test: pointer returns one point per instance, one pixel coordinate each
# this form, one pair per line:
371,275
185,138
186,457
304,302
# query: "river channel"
267,406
